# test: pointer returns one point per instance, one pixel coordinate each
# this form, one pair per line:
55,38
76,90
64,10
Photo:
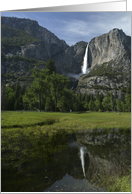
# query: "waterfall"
85,62
82,159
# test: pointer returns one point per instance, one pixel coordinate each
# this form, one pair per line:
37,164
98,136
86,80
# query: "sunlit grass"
20,129
76,121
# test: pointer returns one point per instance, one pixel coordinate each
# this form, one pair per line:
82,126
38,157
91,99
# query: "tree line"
50,91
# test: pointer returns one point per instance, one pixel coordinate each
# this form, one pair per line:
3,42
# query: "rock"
109,46
109,57
67,59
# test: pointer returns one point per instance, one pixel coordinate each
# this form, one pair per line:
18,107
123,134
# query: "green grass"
11,119
121,184
74,121
24,136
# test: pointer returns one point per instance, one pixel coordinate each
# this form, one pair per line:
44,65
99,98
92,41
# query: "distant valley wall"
26,44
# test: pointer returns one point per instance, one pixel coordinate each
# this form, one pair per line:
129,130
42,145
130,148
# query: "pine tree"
50,67
91,105
3,97
118,105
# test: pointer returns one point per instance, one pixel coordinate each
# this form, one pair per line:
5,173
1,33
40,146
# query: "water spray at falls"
82,152
85,62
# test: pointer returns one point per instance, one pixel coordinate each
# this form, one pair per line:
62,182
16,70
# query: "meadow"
23,132
74,121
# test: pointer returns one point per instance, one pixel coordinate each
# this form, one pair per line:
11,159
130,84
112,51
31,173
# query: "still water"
64,163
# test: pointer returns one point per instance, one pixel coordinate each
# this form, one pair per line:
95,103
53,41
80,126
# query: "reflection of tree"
47,145
47,159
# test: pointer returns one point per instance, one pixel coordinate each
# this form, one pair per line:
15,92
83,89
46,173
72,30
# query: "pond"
66,162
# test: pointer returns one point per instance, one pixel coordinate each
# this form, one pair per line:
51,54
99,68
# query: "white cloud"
97,24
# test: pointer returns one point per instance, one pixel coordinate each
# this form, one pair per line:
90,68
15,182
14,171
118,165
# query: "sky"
78,26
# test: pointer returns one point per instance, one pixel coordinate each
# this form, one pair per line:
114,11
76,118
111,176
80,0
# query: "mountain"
25,45
109,61
27,39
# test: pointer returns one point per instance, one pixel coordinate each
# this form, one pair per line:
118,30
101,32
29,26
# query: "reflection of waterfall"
85,62
82,159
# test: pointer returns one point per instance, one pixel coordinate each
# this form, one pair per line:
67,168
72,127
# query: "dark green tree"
122,98
86,98
17,90
105,103
57,84
128,102
3,96
17,104
50,67
118,105
49,104
97,96
97,104
101,97
91,105
10,98
112,102
129,89
36,89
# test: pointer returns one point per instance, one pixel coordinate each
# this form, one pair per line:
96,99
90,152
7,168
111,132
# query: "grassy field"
21,129
74,121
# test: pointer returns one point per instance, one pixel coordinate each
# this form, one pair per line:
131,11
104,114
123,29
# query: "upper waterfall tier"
85,62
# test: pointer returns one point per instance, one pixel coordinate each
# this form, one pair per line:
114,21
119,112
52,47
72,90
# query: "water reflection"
53,163
68,183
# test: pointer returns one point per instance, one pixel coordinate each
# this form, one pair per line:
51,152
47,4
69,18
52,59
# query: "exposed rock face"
36,50
109,60
111,46
71,59
67,59
109,56
34,29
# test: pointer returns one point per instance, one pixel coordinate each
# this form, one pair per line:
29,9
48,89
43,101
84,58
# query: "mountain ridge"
109,55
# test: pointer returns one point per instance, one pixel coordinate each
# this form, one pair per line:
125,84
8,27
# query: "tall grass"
121,184
114,183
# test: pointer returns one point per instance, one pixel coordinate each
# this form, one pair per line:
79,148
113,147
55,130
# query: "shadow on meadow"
46,122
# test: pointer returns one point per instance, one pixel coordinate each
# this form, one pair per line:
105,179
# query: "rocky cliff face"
47,45
109,56
34,29
109,59
111,46
71,59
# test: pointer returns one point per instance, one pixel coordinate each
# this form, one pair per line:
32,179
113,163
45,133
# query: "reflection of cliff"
93,165
73,177
114,146
43,175
57,162
98,166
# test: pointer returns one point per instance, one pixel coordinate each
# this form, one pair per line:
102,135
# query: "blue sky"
78,26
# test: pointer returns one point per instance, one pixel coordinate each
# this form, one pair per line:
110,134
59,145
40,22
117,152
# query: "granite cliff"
25,44
109,61
43,45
